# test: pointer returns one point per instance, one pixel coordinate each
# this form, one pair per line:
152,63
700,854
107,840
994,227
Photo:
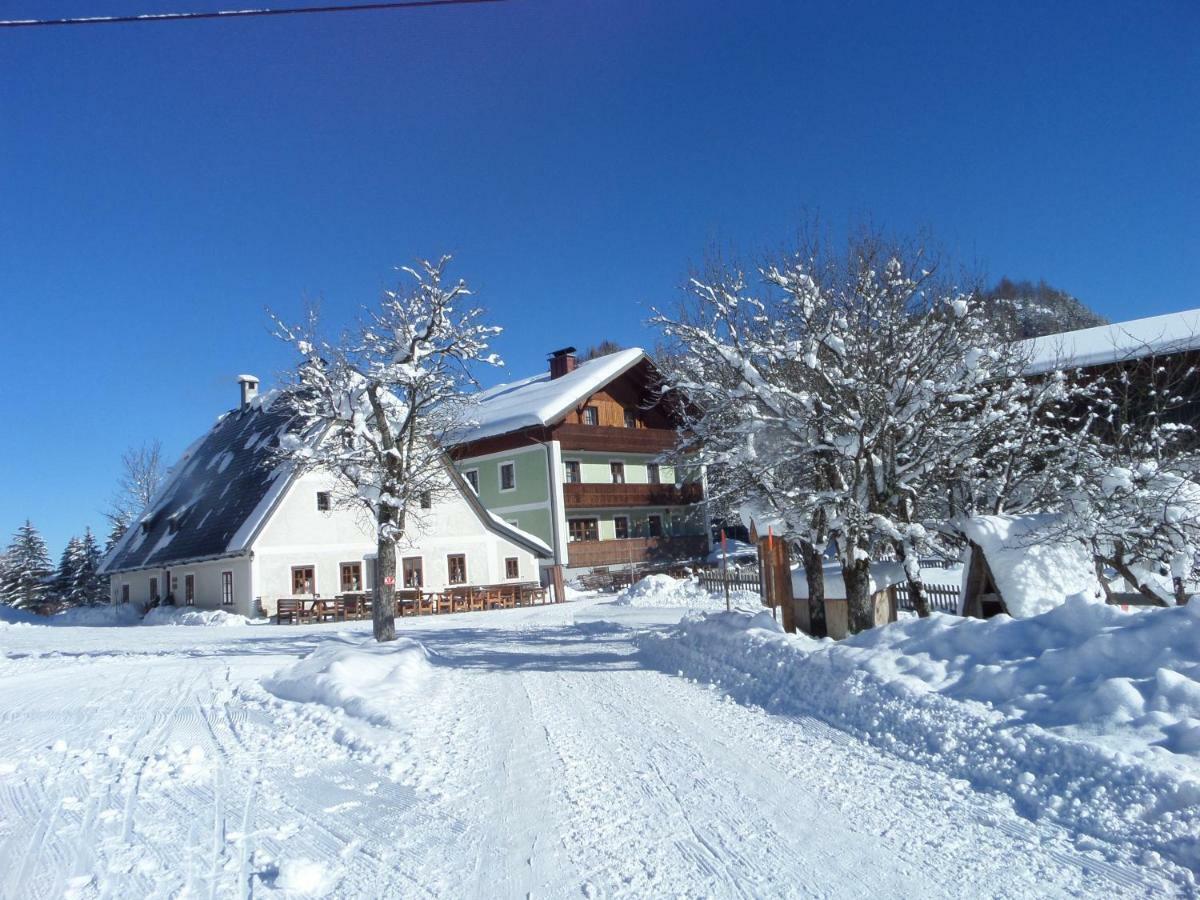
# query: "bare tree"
142,474
376,406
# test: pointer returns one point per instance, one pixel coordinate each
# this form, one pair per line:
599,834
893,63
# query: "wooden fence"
741,579
940,597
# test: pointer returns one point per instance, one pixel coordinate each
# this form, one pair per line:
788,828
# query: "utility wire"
232,13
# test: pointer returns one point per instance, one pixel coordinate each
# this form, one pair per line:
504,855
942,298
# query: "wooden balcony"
602,496
588,554
616,440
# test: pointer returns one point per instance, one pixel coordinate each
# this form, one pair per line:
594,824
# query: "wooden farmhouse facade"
578,457
233,529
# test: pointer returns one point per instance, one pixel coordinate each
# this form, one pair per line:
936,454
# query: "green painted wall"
533,478
535,521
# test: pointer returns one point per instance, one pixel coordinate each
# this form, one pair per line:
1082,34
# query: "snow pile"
370,681
665,591
80,616
172,615
304,878
1034,572
1086,714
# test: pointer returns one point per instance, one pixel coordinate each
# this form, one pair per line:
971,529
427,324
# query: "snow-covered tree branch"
377,404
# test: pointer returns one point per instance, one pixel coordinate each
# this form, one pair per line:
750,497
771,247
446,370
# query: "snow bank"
84,616
1086,714
368,680
665,591
172,615
1033,572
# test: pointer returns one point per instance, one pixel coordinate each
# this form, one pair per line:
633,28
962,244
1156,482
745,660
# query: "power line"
232,13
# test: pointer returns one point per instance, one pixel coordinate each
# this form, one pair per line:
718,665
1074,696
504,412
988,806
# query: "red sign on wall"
389,580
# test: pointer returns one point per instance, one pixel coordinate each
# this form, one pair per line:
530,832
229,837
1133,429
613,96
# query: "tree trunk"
1145,590
1181,594
384,611
916,584
814,574
857,576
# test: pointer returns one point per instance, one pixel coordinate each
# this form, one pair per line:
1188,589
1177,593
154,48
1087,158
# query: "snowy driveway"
544,760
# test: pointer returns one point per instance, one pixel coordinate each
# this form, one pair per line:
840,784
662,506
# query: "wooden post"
725,567
783,584
556,583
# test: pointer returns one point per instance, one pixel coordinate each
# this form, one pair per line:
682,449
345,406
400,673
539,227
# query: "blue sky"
162,185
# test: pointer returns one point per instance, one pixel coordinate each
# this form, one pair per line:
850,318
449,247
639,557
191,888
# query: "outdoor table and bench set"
411,602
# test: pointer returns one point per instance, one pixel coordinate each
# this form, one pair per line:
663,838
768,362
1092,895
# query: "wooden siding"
597,496
586,554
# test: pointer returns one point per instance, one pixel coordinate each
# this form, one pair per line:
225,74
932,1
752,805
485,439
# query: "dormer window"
323,501
630,419
591,415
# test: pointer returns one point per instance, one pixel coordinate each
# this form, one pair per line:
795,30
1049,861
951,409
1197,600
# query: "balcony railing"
607,438
587,554
596,496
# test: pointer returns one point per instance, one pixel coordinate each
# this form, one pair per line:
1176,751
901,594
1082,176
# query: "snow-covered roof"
540,399
1035,569
1170,333
215,499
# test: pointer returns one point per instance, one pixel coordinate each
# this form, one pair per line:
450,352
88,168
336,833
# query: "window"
414,573
227,589
583,529
654,525
621,527
508,476
304,580
456,568
189,590
351,576
512,567
572,467
124,593
618,472
630,419
472,477
174,584
591,415
153,588
653,474
323,501
426,500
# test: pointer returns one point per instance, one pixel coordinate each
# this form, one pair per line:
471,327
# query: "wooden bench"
291,609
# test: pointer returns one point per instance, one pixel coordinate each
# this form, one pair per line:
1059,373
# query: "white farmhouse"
232,529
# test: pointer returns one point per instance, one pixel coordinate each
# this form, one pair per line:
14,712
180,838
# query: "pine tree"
92,586
76,581
67,575
27,566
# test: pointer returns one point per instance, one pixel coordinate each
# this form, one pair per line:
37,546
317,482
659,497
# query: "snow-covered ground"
528,752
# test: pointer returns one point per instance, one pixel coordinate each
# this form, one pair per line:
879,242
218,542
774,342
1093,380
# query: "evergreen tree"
66,576
76,581
26,568
93,587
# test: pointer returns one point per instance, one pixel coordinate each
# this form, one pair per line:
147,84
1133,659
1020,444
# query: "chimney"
562,362
249,385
